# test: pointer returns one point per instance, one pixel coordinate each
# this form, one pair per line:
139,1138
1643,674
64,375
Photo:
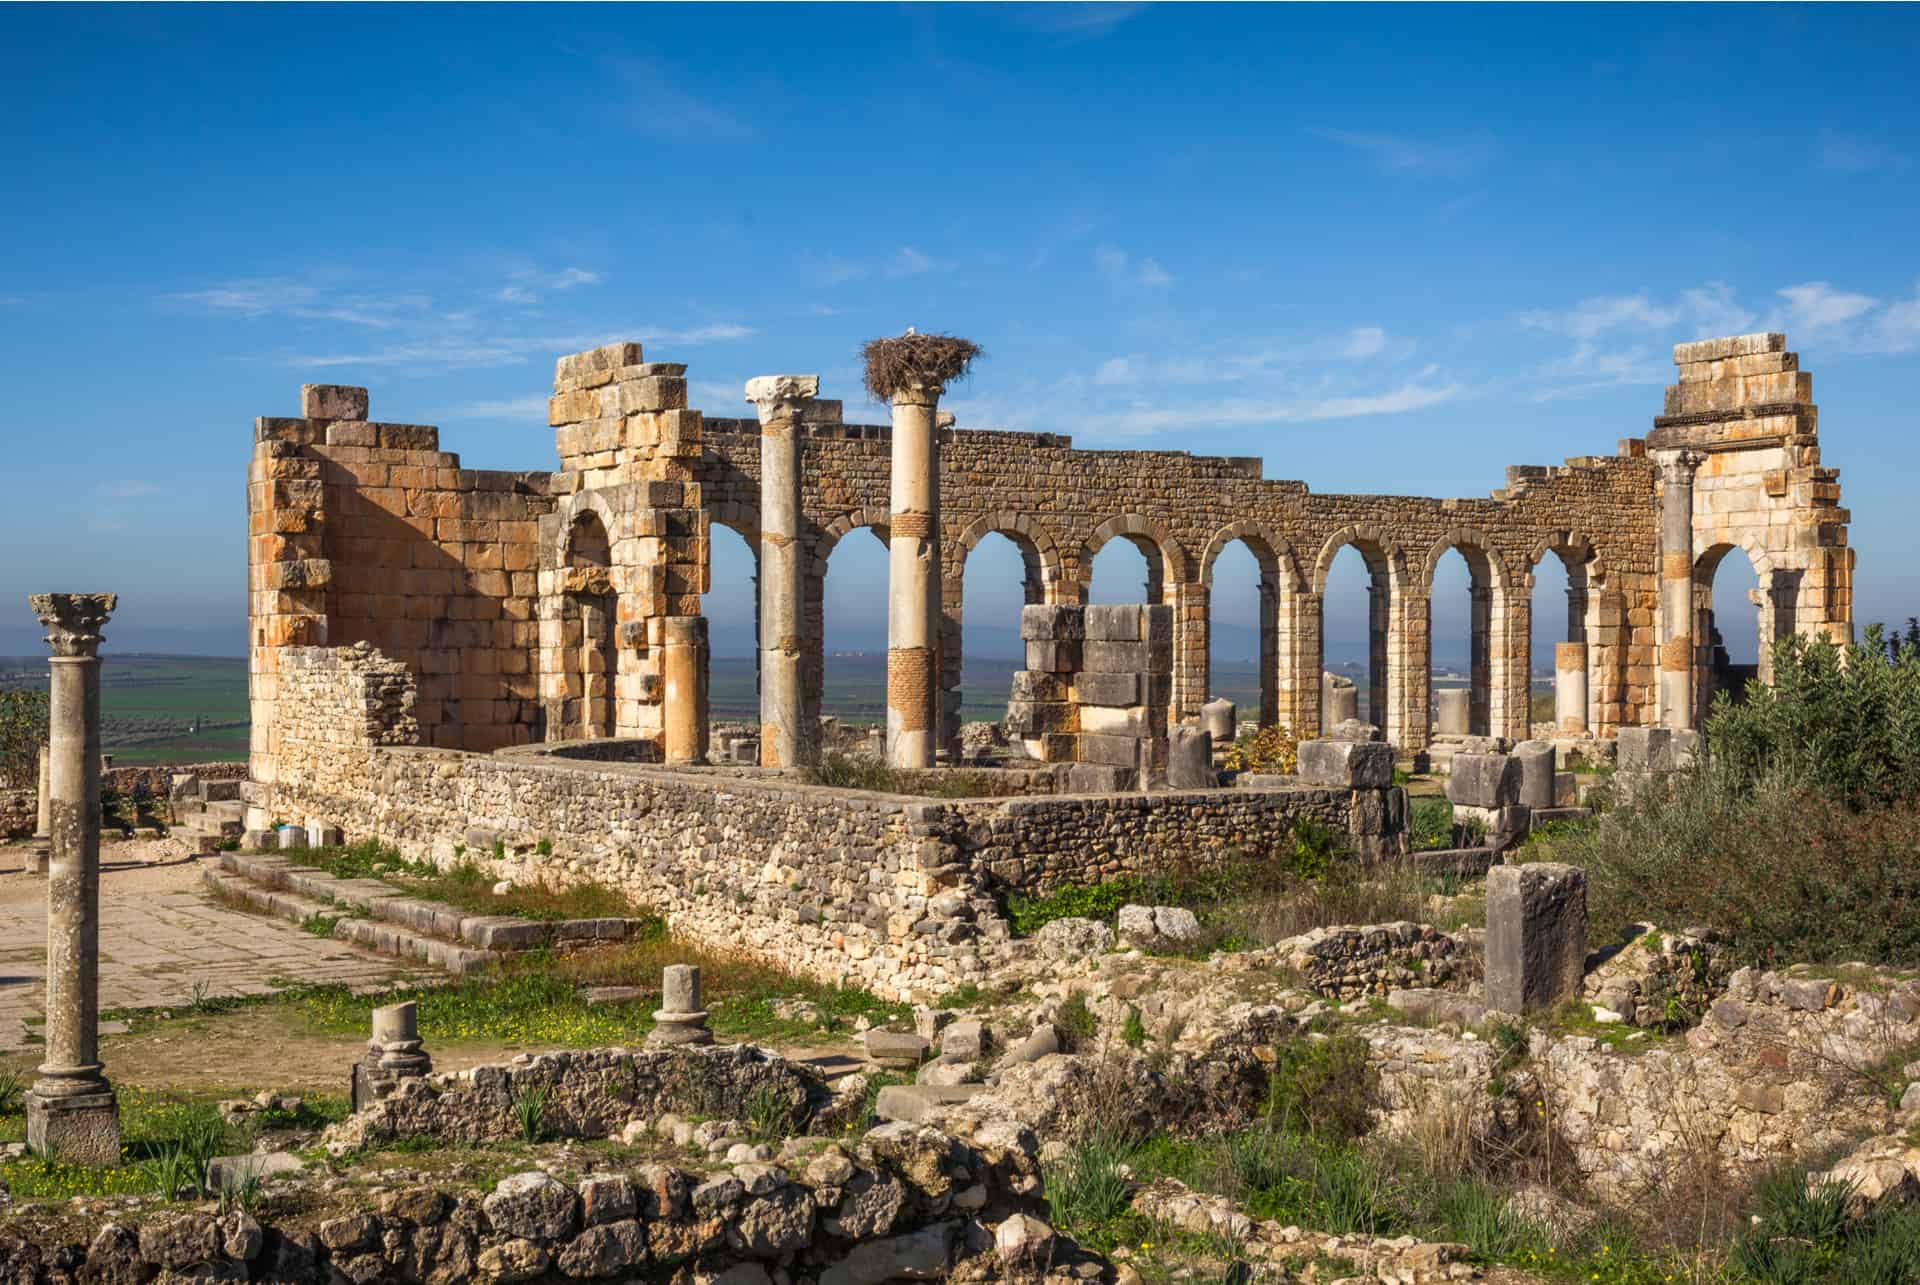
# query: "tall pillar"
1676,590
1570,688
785,738
683,675
913,577
1480,661
71,1109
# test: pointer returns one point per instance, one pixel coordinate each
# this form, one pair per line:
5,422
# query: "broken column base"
676,1030
79,1130
39,857
372,1081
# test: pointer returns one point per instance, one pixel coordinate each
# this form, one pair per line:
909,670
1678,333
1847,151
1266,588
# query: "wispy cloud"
1845,154
1257,411
1816,306
1084,20
1120,268
653,103
1396,154
458,352
253,298
909,262
1898,328
1365,341
126,489
529,282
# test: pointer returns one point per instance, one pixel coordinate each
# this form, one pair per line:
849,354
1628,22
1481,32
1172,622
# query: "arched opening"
1457,648
853,637
732,607
1241,615
587,626
1356,605
1728,624
998,576
1126,569
1561,687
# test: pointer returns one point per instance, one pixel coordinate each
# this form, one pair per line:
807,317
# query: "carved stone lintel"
73,620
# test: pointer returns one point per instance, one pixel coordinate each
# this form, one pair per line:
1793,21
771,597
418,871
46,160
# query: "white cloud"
1247,412
127,489
1090,19
1712,309
254,297
571,277
1818,306
1118,267
1393,154
1898,328
1117,370
909,262
458,352
516,294
1365,341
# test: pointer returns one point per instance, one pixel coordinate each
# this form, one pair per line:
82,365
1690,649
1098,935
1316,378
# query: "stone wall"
1095,692
19,813
533,606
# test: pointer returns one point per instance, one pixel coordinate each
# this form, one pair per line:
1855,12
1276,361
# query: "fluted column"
784,735
71,1110
913,577
1676,590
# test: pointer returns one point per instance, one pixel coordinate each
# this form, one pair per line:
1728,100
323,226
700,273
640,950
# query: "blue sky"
1387,250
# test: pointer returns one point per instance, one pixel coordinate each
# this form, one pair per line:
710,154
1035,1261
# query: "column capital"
773,395
1682,465
74,620
919,393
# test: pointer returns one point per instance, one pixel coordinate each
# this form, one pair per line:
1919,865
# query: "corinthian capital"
73,620
776,396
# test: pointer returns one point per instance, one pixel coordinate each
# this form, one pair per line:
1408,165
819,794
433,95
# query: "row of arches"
1257,625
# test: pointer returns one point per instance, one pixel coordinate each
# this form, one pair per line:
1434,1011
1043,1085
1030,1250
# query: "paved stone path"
160,936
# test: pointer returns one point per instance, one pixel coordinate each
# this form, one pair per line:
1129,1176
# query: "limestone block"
1109,689
1536,935
1190,759
1054,657
1113,657
1452,709
1039,623
333,401
1108,721
1645,749
1220,718
1156,625
1536,773
1483,781
1099,778
1113,751
1033,685
1106,623
1347,765
1353,729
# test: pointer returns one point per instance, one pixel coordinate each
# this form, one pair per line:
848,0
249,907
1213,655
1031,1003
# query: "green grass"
165,1138
469,886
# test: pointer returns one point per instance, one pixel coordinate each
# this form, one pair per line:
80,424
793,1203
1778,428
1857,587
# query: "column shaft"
72,1063
1676,592
783,733
683,674
913,583
1570,687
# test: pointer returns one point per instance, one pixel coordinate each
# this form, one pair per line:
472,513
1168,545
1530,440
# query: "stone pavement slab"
161,936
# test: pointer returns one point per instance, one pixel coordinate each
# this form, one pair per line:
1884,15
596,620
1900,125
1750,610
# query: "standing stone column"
785,739
1676,590
41,850
71,1109
1570,687
910,372
683,673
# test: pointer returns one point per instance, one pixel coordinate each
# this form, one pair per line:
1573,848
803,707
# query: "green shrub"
1075,1021
1429,822
1325,1088
23,730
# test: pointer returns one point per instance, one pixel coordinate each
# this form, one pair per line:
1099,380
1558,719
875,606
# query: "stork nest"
907,360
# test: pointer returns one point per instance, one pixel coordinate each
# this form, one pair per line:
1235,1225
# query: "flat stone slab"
915,1102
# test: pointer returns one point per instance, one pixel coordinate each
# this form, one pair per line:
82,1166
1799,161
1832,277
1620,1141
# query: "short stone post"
683,675
779,400
681,1020
41,850
1340,700
1676,589
1453,711
394,1053
71,1110
1570,688
1536,760
1221,719
1536,935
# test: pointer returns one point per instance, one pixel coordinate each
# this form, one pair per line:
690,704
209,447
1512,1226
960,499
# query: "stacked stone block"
631,531
1095,692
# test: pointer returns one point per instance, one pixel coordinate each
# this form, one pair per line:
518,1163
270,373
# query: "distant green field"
149,705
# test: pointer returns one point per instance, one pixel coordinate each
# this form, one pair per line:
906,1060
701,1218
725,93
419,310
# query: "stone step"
383,902
387,939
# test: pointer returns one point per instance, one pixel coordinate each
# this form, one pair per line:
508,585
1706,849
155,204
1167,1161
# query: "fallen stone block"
1536,773
913,1103
898,1050
1483,781
1346,765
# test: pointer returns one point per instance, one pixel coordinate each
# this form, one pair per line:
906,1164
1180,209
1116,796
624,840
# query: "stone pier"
71,1110
41,850
785,738
1676,589
913,577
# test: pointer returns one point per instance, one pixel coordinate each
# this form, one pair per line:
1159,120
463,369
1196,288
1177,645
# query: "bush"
23,729
1325,1088
1267,749
1843,721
